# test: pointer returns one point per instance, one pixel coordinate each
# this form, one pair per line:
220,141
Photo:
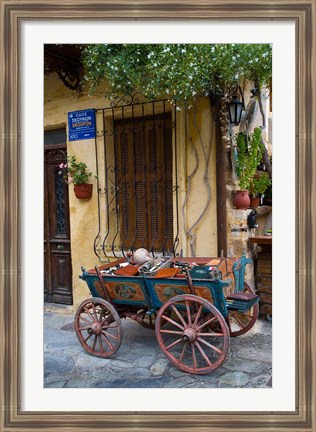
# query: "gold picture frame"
303,14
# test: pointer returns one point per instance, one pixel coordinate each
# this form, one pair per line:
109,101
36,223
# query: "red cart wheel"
98,327
187,340
241,322
146,321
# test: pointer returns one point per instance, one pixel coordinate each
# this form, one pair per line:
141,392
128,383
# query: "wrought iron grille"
60,204
136,156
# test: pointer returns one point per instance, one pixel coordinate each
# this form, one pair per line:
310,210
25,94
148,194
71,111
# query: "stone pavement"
140,363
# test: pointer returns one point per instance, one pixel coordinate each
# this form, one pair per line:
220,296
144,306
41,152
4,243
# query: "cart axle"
189,335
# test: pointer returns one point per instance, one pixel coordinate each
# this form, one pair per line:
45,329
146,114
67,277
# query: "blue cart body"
151,292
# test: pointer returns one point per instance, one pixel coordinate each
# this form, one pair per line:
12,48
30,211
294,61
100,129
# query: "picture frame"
303,13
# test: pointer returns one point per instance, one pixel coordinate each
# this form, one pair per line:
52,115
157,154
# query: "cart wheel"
187,339
241,322
98,327
146,321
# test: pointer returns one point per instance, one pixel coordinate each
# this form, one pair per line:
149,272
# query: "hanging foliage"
181,72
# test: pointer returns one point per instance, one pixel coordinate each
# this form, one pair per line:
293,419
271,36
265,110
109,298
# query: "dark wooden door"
57,255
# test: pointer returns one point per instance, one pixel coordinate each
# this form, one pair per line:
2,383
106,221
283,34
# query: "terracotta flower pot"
254,202
241,200
83,191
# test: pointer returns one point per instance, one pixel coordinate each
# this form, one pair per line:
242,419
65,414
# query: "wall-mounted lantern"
235,106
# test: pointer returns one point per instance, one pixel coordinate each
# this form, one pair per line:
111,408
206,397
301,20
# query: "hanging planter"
76,173
241,200
83,191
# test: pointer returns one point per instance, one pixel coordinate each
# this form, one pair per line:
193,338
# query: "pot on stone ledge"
254,202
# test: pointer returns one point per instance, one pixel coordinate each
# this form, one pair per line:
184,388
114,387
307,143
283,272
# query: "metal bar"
134,181
124,215
106,186
106,175
176,238
116,183
165,179
144,185
97,238
155,192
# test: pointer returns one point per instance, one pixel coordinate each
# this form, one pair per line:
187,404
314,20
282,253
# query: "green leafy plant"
249,153
74,172
259,184
181,72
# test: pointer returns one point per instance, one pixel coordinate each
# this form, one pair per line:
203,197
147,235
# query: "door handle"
60,247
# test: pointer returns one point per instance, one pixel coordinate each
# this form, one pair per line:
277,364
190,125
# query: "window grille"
136,155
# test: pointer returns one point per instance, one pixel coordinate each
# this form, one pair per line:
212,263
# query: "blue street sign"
81,125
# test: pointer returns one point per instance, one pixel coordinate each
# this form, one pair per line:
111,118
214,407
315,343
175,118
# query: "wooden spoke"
206,323
203,354
101,318
100,344
209,345
172,322
183,351
180,316
188,313
88,337
94,312
173,344
88,312
172,332
84,328
236,318
194,356
106,341
198,315
85,320
111,326
94,342
105,333
144,319
211,334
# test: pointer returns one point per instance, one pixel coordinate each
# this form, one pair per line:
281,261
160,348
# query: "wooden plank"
261,239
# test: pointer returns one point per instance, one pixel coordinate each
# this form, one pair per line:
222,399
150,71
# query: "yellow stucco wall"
195,138
198,222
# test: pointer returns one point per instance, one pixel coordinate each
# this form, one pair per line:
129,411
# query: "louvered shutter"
144,178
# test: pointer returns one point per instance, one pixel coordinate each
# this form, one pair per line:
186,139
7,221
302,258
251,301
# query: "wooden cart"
194,304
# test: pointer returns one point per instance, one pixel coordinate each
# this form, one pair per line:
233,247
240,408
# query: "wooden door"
57,255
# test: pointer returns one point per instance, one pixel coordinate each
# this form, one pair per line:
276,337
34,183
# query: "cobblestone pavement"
140,363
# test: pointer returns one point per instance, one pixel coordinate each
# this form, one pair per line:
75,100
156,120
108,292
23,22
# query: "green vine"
249,154
258,185
180,72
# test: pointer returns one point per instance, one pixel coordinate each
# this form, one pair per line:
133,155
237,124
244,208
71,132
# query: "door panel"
57,250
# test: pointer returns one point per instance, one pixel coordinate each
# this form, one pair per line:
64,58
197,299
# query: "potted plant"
76,173
258,185
249,154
